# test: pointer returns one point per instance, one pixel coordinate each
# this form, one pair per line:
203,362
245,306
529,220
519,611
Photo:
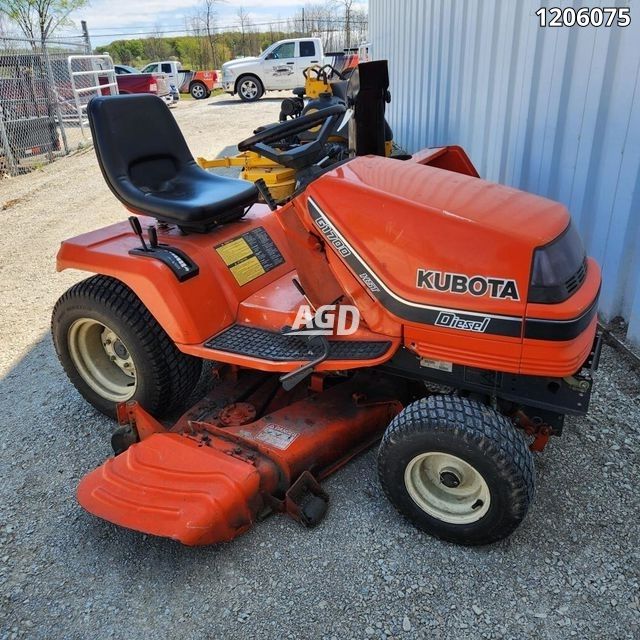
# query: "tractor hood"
429,234
438,192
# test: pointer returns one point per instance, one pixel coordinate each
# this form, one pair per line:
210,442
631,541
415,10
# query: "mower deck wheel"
457,469
113,350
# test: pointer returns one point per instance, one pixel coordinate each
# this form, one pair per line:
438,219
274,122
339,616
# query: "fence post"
85,36
4,138
52,92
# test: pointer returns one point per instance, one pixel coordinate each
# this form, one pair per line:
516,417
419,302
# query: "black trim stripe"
541,329
495,324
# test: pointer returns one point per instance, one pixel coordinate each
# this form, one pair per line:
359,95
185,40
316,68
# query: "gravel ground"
570,570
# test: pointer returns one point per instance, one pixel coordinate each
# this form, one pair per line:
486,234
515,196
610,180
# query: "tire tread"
476,425
175,373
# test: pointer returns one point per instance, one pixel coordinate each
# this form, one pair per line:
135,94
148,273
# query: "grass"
214,92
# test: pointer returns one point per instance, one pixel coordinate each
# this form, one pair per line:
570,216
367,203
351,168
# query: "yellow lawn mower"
365,93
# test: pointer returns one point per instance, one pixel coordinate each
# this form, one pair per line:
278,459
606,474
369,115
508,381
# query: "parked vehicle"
324,87
475,327
131,80
123,69
198,83
279,67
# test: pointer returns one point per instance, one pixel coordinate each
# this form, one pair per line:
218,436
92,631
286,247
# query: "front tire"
457,469
113,350
249,89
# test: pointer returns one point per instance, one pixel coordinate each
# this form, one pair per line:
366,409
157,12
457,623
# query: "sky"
110,20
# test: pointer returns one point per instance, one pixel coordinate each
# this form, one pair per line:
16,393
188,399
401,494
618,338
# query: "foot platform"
277,347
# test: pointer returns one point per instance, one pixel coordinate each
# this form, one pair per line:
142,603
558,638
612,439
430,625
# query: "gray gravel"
570,570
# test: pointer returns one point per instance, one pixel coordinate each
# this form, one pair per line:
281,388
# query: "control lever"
291,379
137,229
261,185
153,237
182,266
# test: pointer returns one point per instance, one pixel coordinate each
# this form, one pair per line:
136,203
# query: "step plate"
267,345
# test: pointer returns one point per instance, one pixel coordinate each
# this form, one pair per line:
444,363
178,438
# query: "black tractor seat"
146,162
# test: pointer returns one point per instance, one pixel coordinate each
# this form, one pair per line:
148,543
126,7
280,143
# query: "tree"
155,47
209,18
38,19
244,22
347,21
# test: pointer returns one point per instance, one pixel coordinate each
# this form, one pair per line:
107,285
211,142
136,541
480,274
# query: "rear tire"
199,91
249,88
113,350
457,469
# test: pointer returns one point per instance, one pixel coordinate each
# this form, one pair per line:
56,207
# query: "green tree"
38,19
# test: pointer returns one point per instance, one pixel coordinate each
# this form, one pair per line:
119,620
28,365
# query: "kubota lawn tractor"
408,301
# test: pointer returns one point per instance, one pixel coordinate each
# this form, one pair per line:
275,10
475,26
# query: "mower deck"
247,448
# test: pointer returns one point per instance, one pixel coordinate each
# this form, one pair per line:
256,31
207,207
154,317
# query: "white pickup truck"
278,67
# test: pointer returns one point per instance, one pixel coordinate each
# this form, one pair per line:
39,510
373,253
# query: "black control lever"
137,229
153,237
291,379
261,185
178,261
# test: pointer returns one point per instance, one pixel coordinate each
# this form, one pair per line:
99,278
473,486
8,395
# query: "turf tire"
480,436
165,376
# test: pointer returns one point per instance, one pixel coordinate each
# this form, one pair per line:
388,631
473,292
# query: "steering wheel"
315,68
323,73
302,155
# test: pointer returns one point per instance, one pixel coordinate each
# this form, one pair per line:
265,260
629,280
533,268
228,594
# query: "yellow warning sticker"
250,255
235,250
247,270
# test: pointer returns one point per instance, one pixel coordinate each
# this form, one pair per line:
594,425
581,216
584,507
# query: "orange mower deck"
217,470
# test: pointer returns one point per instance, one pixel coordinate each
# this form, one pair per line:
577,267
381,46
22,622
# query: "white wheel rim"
197,91
102,360
447,488
249,89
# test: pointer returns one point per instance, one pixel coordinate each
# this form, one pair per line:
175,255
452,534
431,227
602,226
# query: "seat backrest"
137,140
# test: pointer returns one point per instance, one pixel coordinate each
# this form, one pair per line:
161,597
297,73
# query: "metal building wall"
554,111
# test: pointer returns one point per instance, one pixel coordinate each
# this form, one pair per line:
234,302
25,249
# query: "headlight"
559,268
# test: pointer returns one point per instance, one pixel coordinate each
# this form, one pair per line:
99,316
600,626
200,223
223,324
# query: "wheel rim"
197,91
447,488
249,89
102,360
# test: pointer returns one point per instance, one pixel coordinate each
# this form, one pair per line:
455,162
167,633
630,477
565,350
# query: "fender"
191,311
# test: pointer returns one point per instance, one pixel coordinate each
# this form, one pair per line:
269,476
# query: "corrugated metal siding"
554,111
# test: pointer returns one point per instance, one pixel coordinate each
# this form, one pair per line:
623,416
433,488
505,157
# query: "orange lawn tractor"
402,300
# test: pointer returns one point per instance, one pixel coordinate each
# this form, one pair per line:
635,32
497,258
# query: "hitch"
306,501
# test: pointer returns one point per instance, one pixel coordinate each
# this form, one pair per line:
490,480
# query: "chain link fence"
39,116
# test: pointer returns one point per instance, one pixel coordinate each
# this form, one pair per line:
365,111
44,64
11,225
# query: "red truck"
130,80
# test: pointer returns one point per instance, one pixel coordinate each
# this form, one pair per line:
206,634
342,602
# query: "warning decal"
250,255
277,436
